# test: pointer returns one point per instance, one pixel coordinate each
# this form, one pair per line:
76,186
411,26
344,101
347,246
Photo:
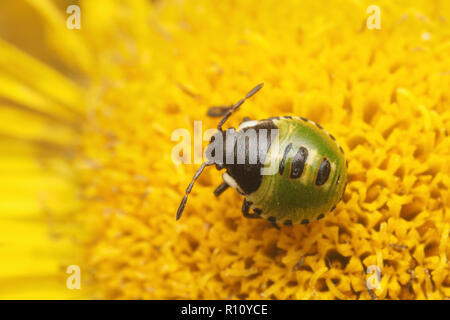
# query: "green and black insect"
311,170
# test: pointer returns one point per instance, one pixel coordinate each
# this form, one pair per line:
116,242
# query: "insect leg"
275,225
273,221
221,188
246,211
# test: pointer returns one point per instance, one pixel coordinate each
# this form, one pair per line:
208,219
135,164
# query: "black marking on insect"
318,125
288,223
283,160
320,216
305,221
298,163
324,172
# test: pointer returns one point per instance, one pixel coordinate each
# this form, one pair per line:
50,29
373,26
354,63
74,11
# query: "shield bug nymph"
311,173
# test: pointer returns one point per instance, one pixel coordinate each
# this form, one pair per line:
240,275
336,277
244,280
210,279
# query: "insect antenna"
189,188
218,111
238,104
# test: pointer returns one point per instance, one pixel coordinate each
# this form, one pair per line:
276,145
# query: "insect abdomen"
311,177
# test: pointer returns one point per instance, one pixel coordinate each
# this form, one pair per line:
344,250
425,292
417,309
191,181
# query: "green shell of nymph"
311,177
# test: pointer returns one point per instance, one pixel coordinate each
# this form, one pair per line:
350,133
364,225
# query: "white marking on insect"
247,124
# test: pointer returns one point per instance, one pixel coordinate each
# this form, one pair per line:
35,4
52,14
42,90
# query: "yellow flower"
85,144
